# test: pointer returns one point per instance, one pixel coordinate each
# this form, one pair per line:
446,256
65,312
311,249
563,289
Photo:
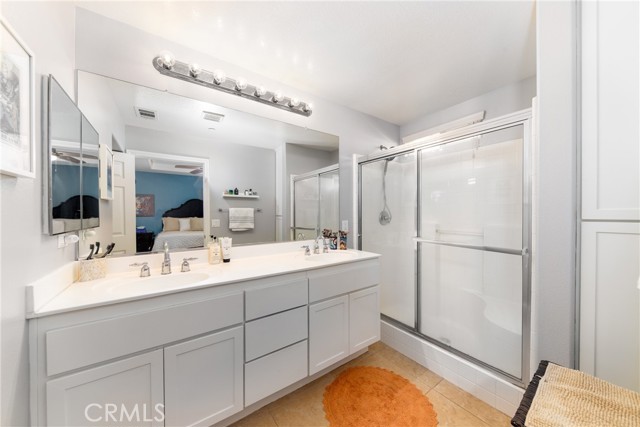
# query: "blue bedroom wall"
170,191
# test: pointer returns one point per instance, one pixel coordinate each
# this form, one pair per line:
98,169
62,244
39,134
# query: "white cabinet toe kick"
200,357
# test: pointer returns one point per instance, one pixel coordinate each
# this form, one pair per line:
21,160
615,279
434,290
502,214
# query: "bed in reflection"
66,215
182,227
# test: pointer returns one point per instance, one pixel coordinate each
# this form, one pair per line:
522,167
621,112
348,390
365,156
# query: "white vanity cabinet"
203,379
169,360
328,332
126,392
344,313
200,356
276,332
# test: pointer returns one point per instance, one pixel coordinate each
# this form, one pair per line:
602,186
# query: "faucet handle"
185,264
307,252
325,248
145,271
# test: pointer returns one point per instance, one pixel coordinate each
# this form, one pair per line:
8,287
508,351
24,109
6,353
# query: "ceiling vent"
146,114
214,117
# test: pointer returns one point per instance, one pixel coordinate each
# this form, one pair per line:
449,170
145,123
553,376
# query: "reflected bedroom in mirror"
185,170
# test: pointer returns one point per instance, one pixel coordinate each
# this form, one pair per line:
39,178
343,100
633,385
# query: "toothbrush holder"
92,269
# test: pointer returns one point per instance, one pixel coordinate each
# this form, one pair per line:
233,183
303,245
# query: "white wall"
499,102
230,166
553,332
131,61
105,118
48,30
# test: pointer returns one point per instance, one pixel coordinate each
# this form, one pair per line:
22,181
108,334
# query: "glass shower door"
305,208
388,227
471,247
329,200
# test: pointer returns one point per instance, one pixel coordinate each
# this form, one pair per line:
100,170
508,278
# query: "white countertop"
121,286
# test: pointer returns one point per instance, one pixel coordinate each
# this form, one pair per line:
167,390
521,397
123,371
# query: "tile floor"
454,406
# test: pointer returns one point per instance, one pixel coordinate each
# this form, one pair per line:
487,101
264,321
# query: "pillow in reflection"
197,224
170,224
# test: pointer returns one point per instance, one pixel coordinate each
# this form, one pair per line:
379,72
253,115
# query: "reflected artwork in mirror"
179,149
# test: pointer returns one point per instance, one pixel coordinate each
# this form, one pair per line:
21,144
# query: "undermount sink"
151,283
332,256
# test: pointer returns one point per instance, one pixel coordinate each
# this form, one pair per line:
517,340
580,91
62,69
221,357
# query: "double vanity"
200,347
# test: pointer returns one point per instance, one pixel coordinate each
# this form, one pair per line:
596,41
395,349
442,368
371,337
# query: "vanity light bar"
166,64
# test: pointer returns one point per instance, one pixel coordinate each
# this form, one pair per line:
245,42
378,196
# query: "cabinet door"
328,333
364,318
610,110
610,302
127,392
204,379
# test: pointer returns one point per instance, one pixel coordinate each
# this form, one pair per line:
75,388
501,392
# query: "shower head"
384,147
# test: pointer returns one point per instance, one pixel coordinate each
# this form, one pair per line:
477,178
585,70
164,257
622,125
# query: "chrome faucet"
166,264
316,246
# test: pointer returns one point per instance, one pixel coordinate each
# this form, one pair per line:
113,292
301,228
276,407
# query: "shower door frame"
524,118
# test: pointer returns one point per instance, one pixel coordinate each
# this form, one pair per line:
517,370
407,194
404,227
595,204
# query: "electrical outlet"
61,242
215,223
345,225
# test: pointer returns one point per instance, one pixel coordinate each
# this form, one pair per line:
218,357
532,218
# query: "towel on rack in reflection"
241,219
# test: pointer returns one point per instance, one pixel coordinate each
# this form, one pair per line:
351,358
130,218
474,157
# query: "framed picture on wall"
145,205
106,173
17,106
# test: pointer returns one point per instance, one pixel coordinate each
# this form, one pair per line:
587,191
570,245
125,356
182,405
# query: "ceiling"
397,61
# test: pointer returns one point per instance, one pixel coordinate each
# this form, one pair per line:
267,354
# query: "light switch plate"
215,223
345,225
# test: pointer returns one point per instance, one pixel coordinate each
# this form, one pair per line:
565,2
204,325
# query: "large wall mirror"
72,153
177,163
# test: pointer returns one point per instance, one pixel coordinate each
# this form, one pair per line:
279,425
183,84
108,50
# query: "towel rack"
227,210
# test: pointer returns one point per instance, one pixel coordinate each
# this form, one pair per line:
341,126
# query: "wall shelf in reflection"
238,196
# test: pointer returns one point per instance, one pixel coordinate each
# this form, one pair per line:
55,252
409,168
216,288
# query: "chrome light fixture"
166,64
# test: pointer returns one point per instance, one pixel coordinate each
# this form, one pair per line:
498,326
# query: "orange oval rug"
370,396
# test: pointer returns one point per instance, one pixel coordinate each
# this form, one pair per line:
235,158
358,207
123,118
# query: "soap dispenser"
214,250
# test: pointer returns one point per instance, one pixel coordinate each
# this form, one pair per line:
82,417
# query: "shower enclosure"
315,198
450,217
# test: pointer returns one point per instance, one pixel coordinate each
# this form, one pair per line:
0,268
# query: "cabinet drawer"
330,282
274,372
107,339
275,332
278,297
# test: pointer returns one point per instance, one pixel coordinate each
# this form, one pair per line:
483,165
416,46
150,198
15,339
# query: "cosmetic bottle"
214,251
226,249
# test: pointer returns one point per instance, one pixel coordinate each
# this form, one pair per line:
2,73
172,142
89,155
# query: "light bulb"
166,59
294,102
277,96
307,107
219,77
194,70
241,83
260,91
